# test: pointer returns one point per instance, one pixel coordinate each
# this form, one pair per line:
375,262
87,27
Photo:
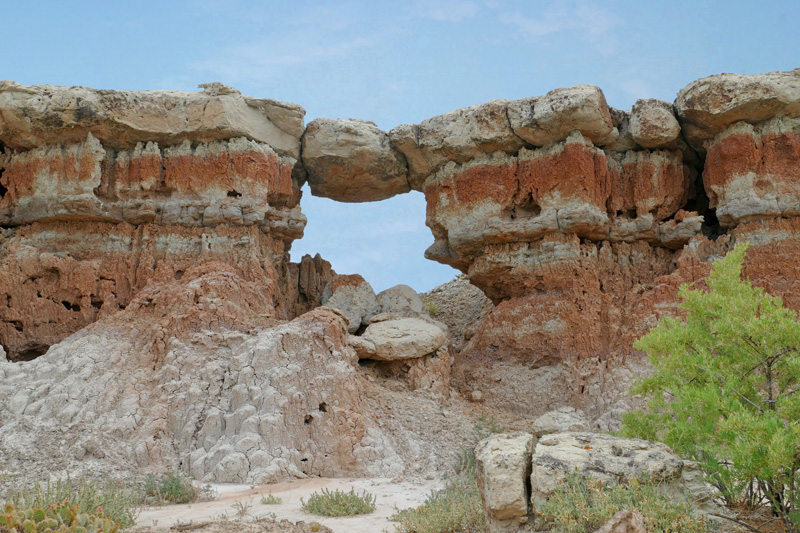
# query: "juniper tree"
723,389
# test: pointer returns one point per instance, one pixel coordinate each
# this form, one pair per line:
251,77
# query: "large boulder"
551,118
604,457
398,339
401,299
653,124
352,161
502,464
709,105
354,297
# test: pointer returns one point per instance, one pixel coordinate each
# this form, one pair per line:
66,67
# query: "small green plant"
458,506
242,509
271,499
120,504
433,308
339,503
723,389
173,488
61,517
580,505
455,508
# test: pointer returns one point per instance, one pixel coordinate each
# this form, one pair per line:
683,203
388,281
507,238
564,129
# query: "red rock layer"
754,173
572,188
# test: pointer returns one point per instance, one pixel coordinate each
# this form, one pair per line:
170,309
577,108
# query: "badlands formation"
151,319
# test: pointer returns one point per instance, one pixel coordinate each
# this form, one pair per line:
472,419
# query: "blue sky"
394,63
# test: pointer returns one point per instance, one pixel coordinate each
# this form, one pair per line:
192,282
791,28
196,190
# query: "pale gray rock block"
604,457
502,464
560,420
551,118
352,161
460,136
709,105
401,299
653,124
35,115
397,339
356,301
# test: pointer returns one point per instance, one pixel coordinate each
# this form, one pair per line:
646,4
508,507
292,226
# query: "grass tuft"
339,503
579,505
173,488
271,499
456,508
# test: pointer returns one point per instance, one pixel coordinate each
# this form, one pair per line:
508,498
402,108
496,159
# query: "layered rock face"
104,192
580,222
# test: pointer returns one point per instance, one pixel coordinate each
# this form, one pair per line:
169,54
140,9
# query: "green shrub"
723,389
120,504
582,505
173,488
457,507
339,503
271,499
433,308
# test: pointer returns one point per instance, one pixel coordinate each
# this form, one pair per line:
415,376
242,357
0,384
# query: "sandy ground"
390,495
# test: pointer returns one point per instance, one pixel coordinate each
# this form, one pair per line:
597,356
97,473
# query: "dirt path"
390,494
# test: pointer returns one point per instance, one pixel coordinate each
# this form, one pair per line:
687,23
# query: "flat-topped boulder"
36,115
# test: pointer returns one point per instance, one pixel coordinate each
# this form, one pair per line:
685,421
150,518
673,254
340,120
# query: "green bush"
271,499
457,507
723,389
173,488
582,505
339,503
118,503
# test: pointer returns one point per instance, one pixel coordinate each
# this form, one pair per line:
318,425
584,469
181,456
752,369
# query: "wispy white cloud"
585,19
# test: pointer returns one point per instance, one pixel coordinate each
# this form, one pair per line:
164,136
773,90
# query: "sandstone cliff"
145,250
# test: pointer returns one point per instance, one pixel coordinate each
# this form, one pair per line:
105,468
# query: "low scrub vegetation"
173,488
581,505
339,503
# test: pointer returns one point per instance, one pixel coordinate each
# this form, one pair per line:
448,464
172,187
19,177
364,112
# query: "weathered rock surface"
554,116
502,464
653,124
37,115
397,339
401,299
624,522
459,136
352,161
560,420
708,106
354,297
604,457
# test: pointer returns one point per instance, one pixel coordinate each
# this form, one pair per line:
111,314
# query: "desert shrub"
581,505
458,506
433,308
723,389
118,503
271,499
339,503
172,488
